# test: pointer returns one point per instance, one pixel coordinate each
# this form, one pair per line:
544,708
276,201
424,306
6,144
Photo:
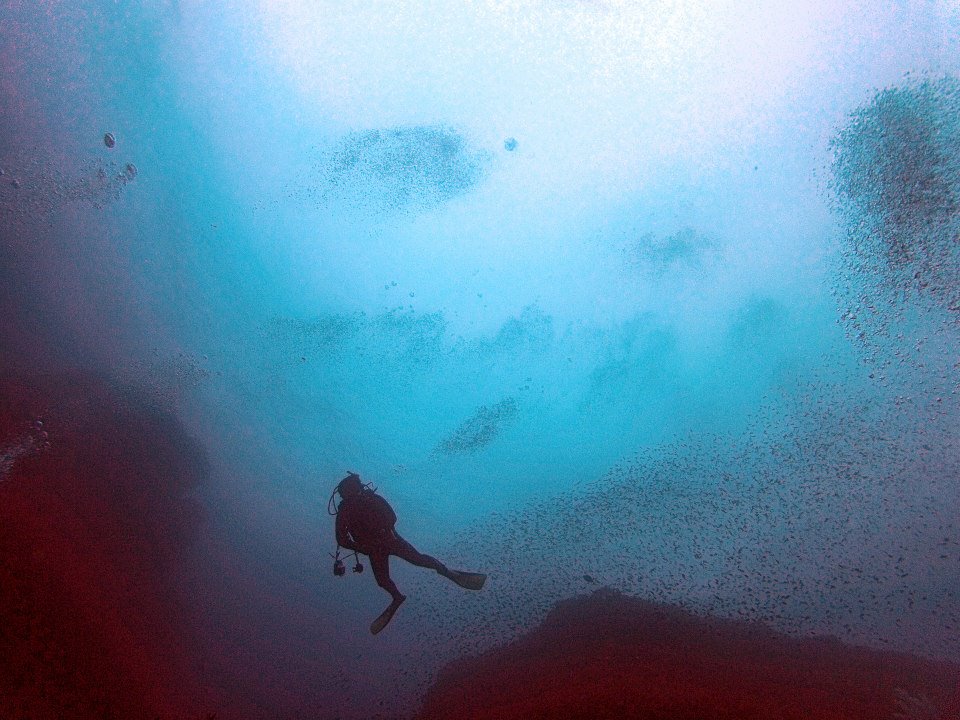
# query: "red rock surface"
608,656
92,532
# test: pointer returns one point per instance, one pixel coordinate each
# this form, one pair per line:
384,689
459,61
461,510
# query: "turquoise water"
603,289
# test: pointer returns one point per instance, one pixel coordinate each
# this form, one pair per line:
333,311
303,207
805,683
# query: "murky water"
658,297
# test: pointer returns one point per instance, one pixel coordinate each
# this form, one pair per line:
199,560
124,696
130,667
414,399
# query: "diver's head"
350,486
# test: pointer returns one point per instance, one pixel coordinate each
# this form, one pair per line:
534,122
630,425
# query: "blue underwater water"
661,297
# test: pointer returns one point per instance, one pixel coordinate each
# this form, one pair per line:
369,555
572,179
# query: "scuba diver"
365,525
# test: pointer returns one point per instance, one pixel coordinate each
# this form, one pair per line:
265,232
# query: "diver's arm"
343,535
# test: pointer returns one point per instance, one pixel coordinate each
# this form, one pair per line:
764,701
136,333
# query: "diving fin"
468,580
385,617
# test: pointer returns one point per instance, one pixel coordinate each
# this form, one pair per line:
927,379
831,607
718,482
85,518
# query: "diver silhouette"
365,525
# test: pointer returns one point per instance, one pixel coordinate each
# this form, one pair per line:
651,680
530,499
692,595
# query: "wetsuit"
365,524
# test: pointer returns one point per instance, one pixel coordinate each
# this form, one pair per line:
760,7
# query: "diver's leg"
470,581
403,549
380,564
